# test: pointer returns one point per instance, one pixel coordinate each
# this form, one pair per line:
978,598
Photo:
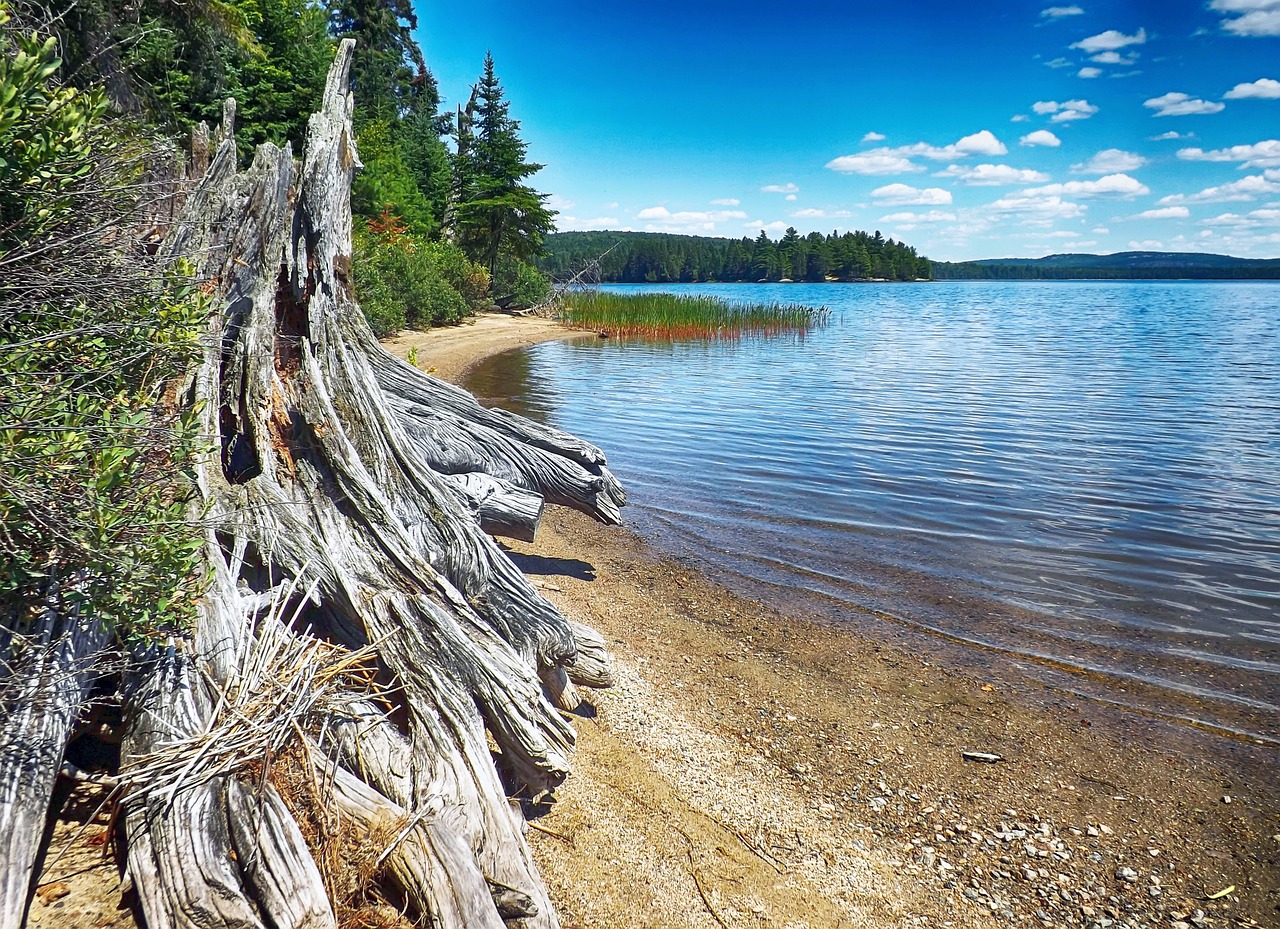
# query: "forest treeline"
654,257
1120,267
446,220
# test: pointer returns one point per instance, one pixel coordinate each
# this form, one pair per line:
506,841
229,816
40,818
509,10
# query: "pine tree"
388,71
496,215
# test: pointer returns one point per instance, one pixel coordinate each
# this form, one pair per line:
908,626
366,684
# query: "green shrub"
93,443
519,284
403,282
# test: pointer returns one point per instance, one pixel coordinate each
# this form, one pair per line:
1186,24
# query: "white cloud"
875,161
981,143
560,204
1264,154
1247,188
1113,58
1178,104
571,223
906,195
1019,118
776,228
1088,72
992,175
1119,185
790,197
1253,17
1066,111
779,189
873,137
1254,219
1100,230
1165,212
898,160
660,219
1110,41
1146,245
1110,161
932,216
1040,137
1264,88
1059,63
1057,12
1043,207
812,213
727,201
1171,134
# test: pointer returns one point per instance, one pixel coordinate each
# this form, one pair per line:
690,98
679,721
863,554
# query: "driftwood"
362,632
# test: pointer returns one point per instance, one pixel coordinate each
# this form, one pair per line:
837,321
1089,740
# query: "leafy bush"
92,445
519,284
403,282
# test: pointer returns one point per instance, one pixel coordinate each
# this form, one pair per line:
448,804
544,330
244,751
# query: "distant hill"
1120,266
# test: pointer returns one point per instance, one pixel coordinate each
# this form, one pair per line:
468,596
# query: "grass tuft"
667,316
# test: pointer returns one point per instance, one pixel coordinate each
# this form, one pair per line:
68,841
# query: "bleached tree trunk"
367,660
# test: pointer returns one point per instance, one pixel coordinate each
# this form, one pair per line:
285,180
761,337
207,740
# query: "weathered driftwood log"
358,606
45,675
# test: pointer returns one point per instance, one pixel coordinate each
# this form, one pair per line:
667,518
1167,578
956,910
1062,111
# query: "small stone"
1226,798
1128,875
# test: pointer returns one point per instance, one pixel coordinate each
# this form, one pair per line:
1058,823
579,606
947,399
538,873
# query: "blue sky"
967,130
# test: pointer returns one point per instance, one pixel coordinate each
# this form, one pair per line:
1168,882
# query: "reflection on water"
1084,472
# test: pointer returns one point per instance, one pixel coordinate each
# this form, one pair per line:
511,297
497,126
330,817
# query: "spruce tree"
496,215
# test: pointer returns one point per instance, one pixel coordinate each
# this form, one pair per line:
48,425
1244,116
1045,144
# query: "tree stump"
363,692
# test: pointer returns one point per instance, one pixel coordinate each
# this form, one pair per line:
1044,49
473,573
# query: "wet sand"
764,768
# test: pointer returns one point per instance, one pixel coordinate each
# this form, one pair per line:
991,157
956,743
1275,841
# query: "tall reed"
681,316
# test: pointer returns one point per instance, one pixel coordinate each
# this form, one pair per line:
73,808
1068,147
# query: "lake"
1076,479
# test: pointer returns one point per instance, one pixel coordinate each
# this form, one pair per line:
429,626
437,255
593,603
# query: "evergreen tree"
388,70
497,215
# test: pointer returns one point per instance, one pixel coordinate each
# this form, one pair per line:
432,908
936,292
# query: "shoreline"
757,768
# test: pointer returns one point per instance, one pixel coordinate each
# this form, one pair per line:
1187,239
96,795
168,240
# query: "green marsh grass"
680,316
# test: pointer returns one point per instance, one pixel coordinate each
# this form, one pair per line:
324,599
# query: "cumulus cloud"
775,228
1019,118
1251,17
1171,134
1247,188
1038,206
1088,72
898,160
875,161
1057,12
1040,137
779,189
1113,58
873,137
1059,63
1064,112
1110,161
660,219
812,213
1254,219
1264,154
1115,185
572,223
1109,41
1178,104
1165,212
992,175
1264,88
726,201
906,195
931,216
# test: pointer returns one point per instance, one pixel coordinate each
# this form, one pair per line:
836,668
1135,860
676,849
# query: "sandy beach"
761,768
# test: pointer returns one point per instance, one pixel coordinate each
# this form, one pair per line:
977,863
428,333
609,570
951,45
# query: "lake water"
1081,479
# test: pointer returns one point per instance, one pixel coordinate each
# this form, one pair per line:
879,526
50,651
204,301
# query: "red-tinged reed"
679,317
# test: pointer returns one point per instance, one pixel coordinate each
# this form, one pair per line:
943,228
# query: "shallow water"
1082,476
